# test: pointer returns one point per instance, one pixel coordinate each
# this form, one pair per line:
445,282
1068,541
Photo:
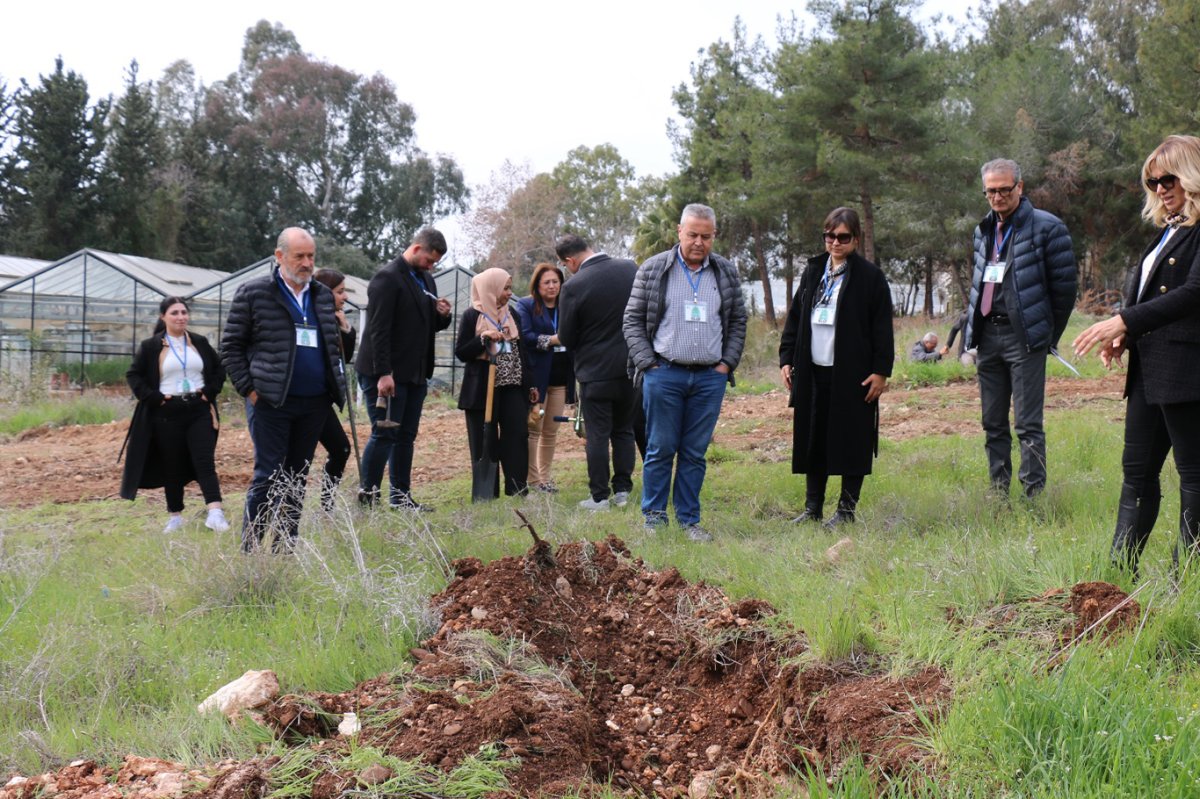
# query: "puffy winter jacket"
1043,269
258,347
646,302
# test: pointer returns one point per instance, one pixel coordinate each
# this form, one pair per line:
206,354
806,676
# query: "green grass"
88,408
110,633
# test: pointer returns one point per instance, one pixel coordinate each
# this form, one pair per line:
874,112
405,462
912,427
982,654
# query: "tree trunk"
929,286
764,273
868,226
789,275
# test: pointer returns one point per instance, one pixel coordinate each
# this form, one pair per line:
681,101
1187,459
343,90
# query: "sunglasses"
840,238
1166,181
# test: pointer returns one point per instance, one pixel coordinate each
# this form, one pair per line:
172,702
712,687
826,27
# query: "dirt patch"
79,463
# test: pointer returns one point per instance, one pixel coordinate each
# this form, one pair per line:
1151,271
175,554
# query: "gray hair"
930,336
698,211
1001,165
285,237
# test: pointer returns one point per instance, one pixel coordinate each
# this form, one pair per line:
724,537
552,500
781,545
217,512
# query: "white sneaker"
620,499
216,520
173,523
591,504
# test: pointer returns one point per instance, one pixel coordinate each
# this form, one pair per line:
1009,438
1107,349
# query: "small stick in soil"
541,553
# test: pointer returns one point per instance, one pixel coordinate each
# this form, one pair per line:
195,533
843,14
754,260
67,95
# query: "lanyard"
554,319
1161,243
687,273
829,282
301,304
421,286
999,245
499,325
183,360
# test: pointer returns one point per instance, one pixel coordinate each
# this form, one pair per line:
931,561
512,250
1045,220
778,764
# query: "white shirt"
170,381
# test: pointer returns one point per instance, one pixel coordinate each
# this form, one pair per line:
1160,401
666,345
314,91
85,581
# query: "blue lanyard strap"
499,325
421,286
829,282
183,360
999,244
301,306
554,319
1161,243
687,273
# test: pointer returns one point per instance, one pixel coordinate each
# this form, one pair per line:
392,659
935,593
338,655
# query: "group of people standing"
653,349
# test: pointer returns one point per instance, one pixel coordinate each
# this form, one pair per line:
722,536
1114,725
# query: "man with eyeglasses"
685,325
1022,293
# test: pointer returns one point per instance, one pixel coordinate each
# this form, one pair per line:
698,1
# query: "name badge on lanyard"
824,315
695,311
994,272
306,336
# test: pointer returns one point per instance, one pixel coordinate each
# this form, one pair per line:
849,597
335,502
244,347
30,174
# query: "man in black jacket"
591,312
396,362
280,348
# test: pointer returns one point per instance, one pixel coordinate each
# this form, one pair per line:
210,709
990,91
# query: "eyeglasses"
999,191
840,238
1166,181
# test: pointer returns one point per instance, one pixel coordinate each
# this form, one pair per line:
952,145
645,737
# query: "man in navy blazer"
395,363
591,313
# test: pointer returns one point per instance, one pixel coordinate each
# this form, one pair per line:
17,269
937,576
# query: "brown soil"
79,463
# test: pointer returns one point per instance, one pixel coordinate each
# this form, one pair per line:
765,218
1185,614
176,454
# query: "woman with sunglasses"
835,356
1159,326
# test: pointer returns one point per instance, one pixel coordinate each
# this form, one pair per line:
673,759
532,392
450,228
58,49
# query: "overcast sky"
523,81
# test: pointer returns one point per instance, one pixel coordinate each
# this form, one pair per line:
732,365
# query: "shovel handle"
491,393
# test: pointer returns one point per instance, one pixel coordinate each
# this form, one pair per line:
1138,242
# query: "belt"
691,367
190,397
998,319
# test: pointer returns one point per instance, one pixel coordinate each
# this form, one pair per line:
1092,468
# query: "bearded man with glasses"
1022,293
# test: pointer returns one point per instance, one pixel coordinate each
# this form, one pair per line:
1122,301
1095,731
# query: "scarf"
485,298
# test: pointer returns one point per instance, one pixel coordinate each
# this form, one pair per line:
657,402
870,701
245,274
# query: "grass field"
111,633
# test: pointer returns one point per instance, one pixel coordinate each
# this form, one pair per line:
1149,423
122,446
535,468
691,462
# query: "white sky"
489,81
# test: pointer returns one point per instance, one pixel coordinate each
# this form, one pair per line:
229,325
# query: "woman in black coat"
176,377
835,356
333,435
487,333
1159,326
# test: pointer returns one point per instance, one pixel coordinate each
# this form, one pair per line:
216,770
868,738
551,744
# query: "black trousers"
1153,430
337,444
609,409
185,441
509,438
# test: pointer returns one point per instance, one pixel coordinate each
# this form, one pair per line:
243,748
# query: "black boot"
814,498
1189,528
812,513
1135,519
847,501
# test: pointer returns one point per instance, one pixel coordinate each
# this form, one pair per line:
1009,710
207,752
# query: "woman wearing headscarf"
835,356
333,435
553,369
1159,326
176,377
489,333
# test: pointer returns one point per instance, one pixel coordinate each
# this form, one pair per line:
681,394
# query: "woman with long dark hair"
553,369
333,435
1159,326
835,356
176,377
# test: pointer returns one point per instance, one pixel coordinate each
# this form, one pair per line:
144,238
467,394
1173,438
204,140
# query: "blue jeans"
391,446
682,407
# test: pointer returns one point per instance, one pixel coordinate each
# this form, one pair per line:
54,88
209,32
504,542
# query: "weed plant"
111,633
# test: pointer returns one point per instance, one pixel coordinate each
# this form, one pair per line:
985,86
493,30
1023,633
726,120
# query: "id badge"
823,315
306,336
994,273
559,348
503,347
184,386
695,312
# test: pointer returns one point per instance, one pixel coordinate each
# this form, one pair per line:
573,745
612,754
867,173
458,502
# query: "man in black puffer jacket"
280,351
1022,293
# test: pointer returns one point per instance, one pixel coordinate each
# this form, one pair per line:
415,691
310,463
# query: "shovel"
386,422
483,470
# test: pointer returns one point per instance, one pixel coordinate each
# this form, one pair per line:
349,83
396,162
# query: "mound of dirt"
582,666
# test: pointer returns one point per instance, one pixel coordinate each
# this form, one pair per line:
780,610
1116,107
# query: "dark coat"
648,297
533,326
863,346
258,347
1163,337
472,396
401,323
142,467
593,311
1042,264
